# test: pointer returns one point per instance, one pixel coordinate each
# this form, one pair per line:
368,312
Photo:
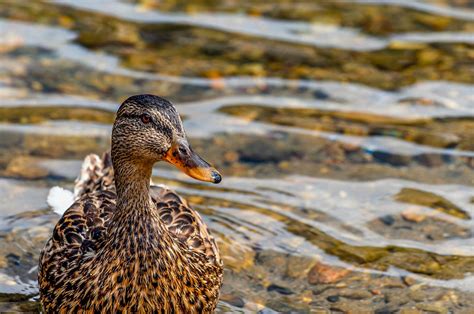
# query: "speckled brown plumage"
124,246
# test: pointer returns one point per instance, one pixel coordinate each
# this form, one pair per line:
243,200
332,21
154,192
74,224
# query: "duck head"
148,129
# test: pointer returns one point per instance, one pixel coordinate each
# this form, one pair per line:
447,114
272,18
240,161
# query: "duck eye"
145,118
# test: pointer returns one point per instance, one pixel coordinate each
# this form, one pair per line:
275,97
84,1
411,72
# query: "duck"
126,245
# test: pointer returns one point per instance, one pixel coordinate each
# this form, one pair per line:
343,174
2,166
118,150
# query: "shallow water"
344,132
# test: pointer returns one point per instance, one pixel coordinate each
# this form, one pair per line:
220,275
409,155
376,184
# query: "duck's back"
85,266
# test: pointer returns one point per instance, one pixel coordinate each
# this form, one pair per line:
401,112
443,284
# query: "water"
344,131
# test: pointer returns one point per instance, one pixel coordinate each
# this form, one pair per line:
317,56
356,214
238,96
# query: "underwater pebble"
279,289
412,215
321,273
298,266
387,220
355,294
432,307
408,280
233,300
333,298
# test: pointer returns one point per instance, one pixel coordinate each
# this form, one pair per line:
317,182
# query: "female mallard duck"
124,246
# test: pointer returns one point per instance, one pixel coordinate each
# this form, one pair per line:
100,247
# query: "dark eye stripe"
130,116
136,116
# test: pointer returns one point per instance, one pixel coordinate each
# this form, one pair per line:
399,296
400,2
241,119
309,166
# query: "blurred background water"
344,131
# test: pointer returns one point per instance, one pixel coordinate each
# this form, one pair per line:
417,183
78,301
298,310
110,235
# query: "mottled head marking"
133,139
148,129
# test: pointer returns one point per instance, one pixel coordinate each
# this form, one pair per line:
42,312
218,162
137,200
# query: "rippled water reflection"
344,131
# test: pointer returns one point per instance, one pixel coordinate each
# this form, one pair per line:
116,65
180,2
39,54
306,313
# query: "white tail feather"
60,199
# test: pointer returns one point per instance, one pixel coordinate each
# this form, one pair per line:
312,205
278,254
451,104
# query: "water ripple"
315,34
465,14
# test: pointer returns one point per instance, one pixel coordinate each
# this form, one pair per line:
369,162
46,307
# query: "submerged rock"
325,274
437,202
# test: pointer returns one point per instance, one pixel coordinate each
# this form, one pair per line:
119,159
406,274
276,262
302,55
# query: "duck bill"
183,157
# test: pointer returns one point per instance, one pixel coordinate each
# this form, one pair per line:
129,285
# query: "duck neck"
132,181
135,219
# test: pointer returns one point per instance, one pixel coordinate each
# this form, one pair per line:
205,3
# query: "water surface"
344,132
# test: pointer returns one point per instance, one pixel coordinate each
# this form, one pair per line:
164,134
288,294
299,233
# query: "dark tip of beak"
216,177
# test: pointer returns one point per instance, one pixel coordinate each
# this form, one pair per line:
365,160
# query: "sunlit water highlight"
280,197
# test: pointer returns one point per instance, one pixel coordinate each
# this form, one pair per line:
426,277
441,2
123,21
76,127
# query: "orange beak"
182,156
